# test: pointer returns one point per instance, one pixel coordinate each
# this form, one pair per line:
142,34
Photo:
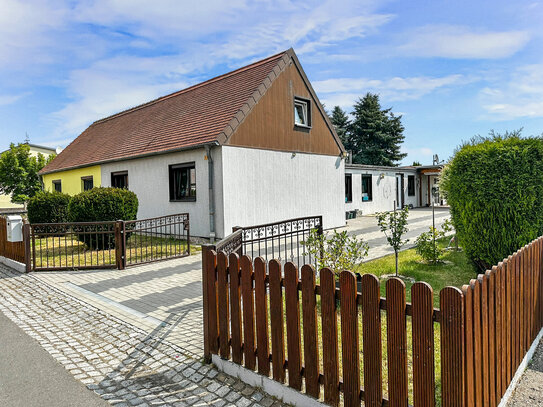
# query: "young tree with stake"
394,226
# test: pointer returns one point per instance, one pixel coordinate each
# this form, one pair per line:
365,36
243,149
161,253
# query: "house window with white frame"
302,112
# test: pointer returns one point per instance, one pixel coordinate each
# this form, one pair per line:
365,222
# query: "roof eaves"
132,157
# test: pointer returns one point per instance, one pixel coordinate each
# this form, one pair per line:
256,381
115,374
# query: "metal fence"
115,244
154,239
282,241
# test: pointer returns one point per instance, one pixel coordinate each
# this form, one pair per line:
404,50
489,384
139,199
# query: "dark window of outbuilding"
411,185
348,188
87,182
182,182
57,185
366,187
119,179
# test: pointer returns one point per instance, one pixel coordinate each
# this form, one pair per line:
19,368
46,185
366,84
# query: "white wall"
148,178
383,189
262,186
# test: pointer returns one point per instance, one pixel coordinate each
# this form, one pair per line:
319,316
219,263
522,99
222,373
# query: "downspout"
211,193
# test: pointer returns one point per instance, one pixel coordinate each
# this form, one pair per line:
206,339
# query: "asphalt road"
30,377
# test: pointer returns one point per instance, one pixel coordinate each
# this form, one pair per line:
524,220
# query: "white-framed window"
302,112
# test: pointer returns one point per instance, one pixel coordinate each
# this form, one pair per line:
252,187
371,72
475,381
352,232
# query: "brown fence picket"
349,339
261,309
422,324
276,319
396,342
491,277
311,342
483,280
500,347
294,347
477,342
330,348
235,307
248,312
213,325
508,327
469,363
224,308
371,341
452,346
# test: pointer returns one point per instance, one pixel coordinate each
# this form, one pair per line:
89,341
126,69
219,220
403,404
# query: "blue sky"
452,68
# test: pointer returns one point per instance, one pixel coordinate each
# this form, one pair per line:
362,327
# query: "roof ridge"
190,88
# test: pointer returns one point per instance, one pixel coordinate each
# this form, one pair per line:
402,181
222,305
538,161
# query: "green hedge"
100,205
494,187
103,204
48,207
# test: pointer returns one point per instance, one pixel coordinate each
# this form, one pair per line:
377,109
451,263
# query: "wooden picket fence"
12,250
485,330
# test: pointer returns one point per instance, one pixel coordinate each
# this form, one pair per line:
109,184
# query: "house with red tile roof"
248,147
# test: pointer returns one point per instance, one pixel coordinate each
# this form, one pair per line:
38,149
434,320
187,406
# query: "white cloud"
518,96
10,99
344,91
449,41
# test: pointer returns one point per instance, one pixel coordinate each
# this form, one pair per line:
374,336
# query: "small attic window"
302,112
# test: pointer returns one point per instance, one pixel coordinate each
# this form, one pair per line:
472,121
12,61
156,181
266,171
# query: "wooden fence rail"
319,334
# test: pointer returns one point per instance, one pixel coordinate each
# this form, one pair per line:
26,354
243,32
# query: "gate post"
120,250
206,264
26,241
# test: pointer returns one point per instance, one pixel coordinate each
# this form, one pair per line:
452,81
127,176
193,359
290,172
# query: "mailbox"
14,225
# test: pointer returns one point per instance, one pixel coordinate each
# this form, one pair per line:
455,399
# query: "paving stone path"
122,363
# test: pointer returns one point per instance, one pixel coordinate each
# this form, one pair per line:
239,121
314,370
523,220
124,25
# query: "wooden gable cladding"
270,123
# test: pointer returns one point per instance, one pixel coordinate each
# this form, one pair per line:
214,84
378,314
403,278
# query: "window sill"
302,126
184,200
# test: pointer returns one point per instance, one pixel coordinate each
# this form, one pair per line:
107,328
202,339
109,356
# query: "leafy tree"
19,172
375,134
416,164
341,122
394,226
338,252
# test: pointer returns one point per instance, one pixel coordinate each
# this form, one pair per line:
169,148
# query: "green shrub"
48,207
426,246
338,252
100,205
494,187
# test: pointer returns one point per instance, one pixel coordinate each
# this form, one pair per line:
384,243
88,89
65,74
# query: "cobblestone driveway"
124,364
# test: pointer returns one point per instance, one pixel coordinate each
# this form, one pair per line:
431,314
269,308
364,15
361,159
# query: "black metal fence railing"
117,244
82,245
282,241
154,239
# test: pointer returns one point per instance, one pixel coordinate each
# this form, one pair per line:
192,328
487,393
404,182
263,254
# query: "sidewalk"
529,391
30,377
123,363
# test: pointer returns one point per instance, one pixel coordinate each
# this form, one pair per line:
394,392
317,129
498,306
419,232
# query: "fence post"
206,249
452,346
186,225
26,241
234,230
120,250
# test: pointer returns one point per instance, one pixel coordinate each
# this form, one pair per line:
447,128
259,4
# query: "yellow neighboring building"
73,181
5,200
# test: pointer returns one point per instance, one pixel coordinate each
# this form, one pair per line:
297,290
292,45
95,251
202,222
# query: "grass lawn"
455,271
70,252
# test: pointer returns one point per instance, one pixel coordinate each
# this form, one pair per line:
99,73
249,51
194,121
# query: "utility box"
14,226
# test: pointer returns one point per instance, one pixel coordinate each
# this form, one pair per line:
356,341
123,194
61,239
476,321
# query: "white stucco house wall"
249,147
370,189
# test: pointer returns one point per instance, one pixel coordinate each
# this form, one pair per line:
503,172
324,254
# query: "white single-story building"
249,147
370,188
